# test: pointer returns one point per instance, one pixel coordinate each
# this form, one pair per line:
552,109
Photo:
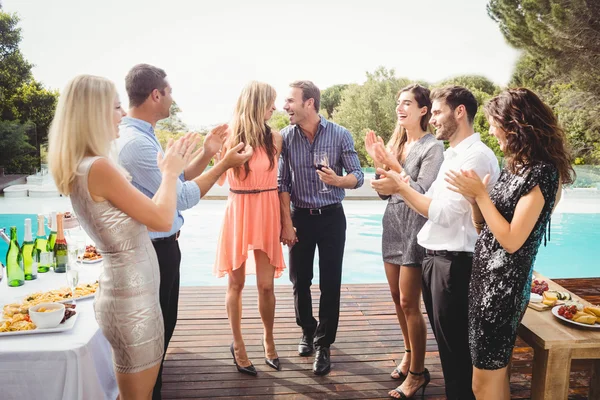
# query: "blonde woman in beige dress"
117,216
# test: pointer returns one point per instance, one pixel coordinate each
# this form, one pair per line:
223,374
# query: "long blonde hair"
248,125
82,126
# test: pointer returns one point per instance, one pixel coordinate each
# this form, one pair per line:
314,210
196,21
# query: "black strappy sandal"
401,375
422,387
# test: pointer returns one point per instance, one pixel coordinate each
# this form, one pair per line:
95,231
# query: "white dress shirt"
450,226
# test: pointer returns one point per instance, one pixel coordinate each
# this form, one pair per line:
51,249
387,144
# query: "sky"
211,49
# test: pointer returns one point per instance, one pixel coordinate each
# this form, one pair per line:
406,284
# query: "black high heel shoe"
422,387
271,362
249,370
401,375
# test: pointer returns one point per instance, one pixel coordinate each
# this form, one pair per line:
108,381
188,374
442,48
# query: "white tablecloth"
75,364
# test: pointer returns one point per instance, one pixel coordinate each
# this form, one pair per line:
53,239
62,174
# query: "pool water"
569,253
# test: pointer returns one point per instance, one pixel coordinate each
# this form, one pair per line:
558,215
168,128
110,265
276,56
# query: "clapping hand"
177,155
215,139
390,182
370,141
467,183
237,155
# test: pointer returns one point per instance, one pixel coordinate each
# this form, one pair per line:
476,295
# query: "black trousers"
326,231
446,296
169,258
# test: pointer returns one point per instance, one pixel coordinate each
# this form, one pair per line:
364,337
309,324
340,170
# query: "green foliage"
36,104
22,100
15,150
173,123
566,33
370,106
279,120
331,98
577,110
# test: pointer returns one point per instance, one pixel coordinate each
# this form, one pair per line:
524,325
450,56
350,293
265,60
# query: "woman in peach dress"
249,242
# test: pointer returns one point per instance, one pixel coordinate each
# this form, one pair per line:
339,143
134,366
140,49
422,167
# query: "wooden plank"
369,344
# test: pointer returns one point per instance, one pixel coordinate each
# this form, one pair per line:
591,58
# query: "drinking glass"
322,160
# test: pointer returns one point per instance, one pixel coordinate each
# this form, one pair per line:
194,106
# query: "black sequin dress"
501,282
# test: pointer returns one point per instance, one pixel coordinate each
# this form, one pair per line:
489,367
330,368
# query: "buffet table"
75,364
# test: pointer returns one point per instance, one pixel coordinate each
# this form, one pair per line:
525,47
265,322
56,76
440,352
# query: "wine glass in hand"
321,160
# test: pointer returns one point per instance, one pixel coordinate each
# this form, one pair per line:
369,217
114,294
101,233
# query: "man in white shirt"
449,235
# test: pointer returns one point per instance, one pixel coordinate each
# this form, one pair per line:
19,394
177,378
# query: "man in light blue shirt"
150,101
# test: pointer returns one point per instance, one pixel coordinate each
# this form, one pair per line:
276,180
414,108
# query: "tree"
173,123
565,32
279,120
577,110
22,99
14,143
14,69
35,104
370,106
331,99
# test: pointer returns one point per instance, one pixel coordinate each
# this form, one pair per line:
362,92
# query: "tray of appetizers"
91,256
49,317
82,291
578,314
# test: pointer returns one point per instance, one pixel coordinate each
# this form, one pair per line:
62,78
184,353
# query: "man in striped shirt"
315,189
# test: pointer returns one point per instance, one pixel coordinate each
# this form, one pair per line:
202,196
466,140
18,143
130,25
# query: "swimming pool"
569,253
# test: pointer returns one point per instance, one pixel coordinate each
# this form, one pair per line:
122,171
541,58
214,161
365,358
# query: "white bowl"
50,319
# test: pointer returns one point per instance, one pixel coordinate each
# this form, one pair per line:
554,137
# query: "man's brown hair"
455,96
309,91
141,80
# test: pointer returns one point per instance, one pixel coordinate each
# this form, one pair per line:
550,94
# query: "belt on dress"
318,211
251,191
171,238
446,253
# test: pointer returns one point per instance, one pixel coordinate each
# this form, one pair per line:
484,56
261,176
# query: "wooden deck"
368,346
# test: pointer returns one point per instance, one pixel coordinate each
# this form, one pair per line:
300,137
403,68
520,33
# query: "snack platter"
15,318
91,256
592,318
29,327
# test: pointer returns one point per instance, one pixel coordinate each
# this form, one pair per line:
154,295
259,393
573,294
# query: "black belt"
446,253
251,191
171,238
318,211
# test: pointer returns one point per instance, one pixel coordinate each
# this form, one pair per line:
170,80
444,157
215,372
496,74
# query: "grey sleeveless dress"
400,223
127,301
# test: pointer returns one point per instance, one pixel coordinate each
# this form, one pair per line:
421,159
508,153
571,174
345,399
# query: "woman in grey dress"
416,154
115,215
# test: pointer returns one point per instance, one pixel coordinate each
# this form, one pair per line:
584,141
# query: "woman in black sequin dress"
513,220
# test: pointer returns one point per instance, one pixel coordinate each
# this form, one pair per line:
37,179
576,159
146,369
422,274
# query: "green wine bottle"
40,247
61,252
14,261
52,239
29,261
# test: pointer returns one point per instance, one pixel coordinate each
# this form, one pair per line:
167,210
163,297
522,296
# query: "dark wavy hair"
421,94
533,132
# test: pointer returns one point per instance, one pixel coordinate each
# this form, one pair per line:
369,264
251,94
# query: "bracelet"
478,225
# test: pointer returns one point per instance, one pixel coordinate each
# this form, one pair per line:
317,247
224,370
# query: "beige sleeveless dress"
127,301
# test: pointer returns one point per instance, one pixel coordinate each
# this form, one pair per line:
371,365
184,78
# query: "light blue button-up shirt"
138,148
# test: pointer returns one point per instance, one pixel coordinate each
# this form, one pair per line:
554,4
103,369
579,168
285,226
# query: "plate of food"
91,256
23,324
62,295
578,314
